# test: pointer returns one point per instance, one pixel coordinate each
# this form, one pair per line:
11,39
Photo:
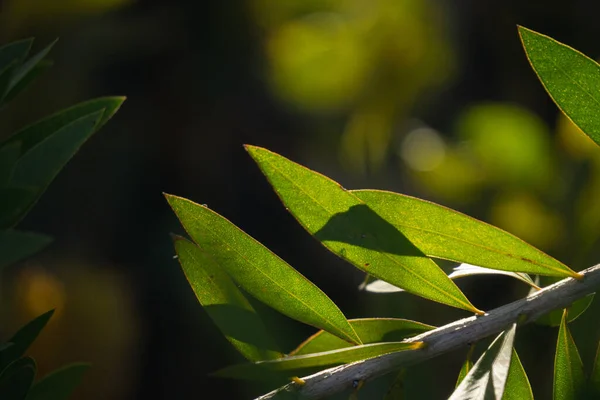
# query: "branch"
444,339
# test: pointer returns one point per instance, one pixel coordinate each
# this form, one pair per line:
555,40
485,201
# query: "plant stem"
444,339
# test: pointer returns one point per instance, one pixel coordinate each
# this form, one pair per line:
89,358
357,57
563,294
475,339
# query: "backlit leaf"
297,365
369,330
570,78
350,229
23,339
488,377
517,384
554,317
225,303
447,234
59,384
568,368
260,272
16,245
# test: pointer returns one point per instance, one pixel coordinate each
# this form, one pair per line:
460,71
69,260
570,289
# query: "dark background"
430,98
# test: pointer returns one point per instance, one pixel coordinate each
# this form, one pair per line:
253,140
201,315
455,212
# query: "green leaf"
6,76
260,272
595,375
14,52
16,245
517,384
225,303
466,367
27,79
23,339
40,165
29,66
369,330
488,377
39,131
16,379
568,368
14,204
461,271
447,234
295,365
9,155
350,229
570,78
554,317
59,384
396,389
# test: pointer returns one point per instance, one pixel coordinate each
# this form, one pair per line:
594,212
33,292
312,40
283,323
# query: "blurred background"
431,98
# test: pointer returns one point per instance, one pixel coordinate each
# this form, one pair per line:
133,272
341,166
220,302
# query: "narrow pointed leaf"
396,389
488,377
294,365
570,78
260,272
30,65
9,155
350,229
447,234
14,52
17,245
59,384
16,379
369,330
39,131
595,375
15,201
461,271
568,368
27,79
466,367
23,339
225,304
554,317
517,384
6,76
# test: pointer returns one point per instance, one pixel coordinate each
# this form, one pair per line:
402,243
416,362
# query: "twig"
444,339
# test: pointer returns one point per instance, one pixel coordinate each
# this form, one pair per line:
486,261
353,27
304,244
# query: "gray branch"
444,339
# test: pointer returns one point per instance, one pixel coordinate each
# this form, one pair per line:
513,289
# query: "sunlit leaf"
570,78
350,229
517,384
225,303
447,234
260,272
59,384
16,245
16,379
462,270
568,368
23,339
369,330
294,365
554,317
488,377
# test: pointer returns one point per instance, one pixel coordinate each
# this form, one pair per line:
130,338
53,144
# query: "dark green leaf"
9,155
517,384
29,66
595,375
59,384
260,272
568,368
350,229
28,79
14,203
570,78
369,330
14,52
16,379
16,245
6,76
487,379
295,365
23,339
554,317
447,234
39,131
396,389
225,303
466,367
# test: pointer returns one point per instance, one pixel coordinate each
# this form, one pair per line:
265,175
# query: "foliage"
396,239
29,160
